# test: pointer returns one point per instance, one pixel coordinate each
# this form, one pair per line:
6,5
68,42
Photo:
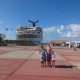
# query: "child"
74,46
43,57
49,59
53,60
49,51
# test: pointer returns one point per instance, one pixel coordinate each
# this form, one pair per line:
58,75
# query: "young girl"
53,60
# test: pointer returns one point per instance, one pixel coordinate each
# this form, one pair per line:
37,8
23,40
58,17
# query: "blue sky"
60,19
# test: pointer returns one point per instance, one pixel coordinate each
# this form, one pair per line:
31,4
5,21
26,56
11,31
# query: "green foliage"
20,42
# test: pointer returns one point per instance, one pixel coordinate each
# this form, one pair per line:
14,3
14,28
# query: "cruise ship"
32,33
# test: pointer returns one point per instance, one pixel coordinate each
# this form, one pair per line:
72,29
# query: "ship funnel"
33,23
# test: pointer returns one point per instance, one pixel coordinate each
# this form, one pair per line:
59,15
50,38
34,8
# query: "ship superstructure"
32,33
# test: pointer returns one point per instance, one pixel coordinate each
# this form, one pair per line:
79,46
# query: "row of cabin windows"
27,29
28,36
29,32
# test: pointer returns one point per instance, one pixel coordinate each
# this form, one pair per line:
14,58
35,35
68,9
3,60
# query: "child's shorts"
43,58
53,60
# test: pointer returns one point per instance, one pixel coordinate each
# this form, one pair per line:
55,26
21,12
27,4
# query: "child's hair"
42,46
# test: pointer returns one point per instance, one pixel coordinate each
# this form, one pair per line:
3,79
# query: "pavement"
23,63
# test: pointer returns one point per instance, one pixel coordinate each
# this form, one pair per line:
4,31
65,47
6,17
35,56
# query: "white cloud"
74,27
69,34
69,31
73,30
49,29
60,28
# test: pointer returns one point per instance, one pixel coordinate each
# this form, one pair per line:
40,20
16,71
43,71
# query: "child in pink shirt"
49,51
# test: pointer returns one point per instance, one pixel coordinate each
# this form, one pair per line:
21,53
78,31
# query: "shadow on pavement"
64,66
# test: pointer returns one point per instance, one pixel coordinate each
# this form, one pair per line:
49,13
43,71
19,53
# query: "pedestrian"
74,47
53,60
49,51
43,56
